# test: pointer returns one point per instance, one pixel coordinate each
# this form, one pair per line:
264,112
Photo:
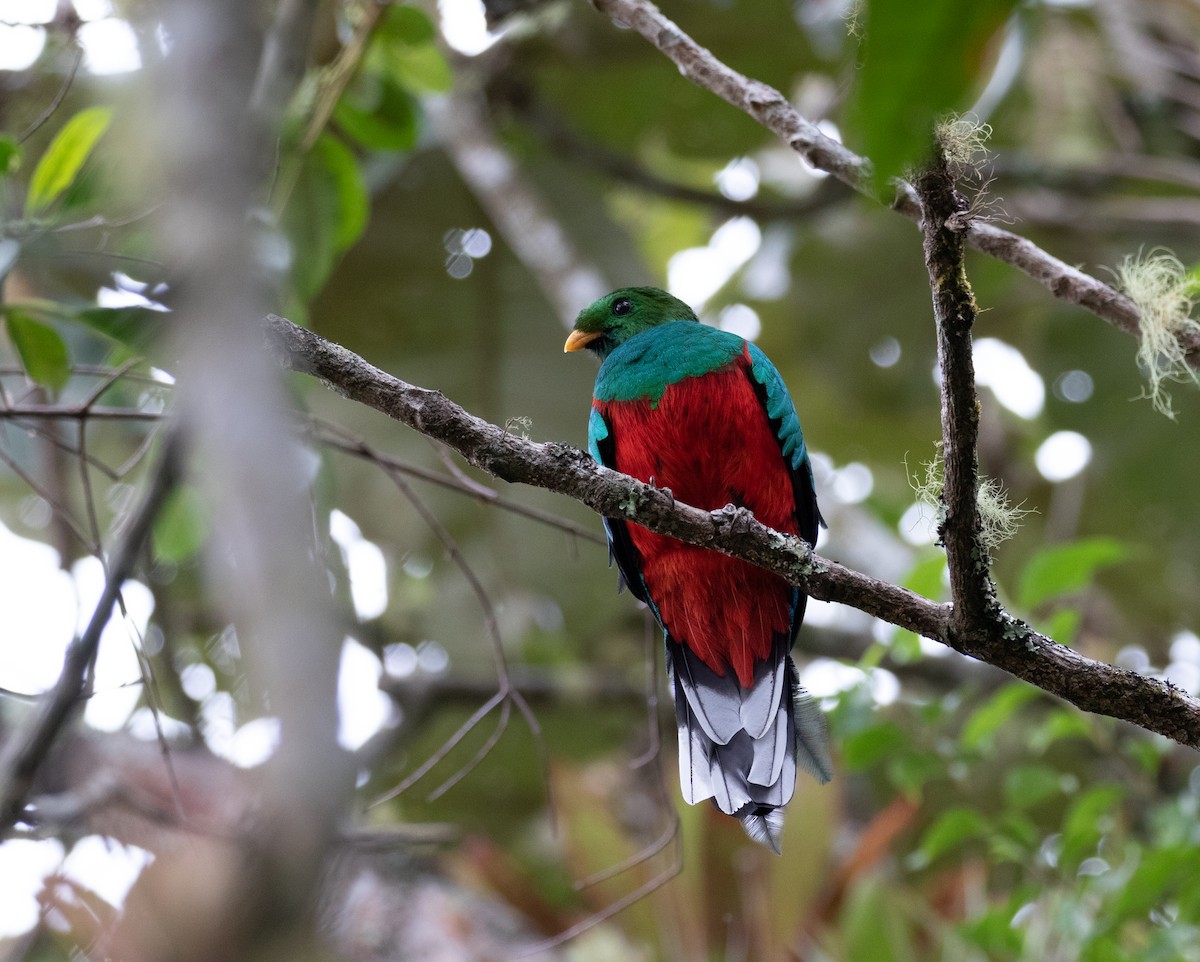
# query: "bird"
704,413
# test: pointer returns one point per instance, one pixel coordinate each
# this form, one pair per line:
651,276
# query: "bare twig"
325,433
1004,641
59,95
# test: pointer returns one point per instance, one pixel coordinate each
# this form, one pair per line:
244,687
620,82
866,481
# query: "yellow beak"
579,340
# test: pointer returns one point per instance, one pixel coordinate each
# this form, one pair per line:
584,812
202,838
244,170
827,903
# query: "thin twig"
59,96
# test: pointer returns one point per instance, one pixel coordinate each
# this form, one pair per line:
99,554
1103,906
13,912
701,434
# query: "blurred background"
452,184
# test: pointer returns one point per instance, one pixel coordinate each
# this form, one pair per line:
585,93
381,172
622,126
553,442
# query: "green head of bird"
609,322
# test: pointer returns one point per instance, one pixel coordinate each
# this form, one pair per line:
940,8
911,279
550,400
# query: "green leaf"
1062,569
326,213
1030,785
41,348
1062,723
955,827
182,526
406,25
864,748
421,69
979,733
134,327
378,113
919,62
65,157
1089,819
10,155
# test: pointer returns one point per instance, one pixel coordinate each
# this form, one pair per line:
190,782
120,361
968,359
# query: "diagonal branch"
1001,640
772,109
943,222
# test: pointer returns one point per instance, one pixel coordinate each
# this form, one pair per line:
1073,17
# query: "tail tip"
764,824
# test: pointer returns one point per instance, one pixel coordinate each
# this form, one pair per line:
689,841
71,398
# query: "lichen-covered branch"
943,223
1001,640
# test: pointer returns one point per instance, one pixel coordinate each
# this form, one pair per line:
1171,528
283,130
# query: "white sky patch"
106,867
696,274
917,525
768,275
253,743
885,352
739,179
365,564
93,9
362,708
20,45
1004,369
118,677
742,320
23,865
37,599
853,483
464,26
400,659
822,614
109,47
27,11
1063,455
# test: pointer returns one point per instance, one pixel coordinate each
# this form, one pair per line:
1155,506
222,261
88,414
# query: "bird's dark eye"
622,306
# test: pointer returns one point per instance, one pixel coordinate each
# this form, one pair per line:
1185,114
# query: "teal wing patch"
597,435
780,408
782,413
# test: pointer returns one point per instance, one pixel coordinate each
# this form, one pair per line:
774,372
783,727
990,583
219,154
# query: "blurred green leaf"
10,155
135,327
1062,569
406,25
353,203
1028,785
326,213
1087,821
182,526
65,157
979,732
912,770
378,113
953,827
421,69
41,348
864,748
1062,723
919,62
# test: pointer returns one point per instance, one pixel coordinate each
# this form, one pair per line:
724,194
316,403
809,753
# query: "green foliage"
182,526
986,722
1059,570
40,347
326,213
63,160
10,155
919,62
